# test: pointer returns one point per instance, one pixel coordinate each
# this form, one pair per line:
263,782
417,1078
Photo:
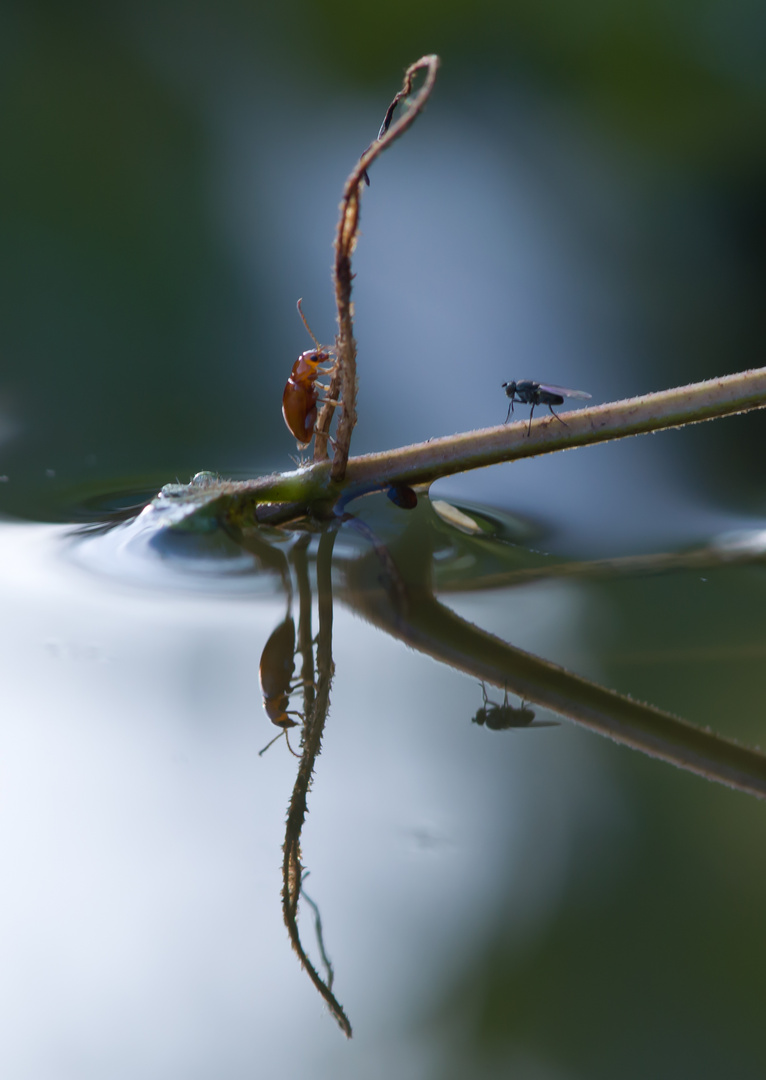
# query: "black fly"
527,392
500,717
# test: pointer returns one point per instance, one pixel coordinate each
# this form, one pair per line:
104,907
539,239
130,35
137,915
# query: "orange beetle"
300,397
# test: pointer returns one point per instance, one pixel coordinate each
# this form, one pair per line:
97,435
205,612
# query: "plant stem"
423,463
312,491
344,381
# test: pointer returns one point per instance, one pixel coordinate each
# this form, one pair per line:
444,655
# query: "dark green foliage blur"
138,344
130,340
680,77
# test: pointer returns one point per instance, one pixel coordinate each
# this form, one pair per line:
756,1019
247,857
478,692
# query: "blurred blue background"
582,203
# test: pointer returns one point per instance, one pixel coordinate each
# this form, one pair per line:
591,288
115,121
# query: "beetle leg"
290,747
299,683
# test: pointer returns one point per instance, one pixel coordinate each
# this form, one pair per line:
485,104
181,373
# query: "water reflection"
502,717
388,570
133,724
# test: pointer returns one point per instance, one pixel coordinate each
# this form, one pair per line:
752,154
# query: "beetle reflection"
276,672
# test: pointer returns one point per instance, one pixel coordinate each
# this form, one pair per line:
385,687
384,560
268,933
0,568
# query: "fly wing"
564,392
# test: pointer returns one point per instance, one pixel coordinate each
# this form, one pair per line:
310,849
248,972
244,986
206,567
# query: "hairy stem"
426,462
312,491
344,381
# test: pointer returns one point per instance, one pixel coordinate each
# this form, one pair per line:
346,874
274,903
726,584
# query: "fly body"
528,392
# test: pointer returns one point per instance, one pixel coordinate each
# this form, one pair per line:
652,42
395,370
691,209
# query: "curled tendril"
344,381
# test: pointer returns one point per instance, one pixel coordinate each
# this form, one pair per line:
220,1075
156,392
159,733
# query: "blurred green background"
583,202
169,188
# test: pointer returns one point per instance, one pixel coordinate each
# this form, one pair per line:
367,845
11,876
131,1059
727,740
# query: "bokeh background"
581,203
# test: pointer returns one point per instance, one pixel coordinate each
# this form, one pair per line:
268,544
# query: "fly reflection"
501,717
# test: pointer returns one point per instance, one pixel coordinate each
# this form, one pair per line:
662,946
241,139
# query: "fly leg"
558,417
531,412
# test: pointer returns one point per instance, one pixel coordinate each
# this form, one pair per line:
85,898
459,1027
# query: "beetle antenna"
310,331
268,744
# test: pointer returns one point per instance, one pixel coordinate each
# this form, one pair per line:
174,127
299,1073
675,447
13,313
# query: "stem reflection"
393,585
316,703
